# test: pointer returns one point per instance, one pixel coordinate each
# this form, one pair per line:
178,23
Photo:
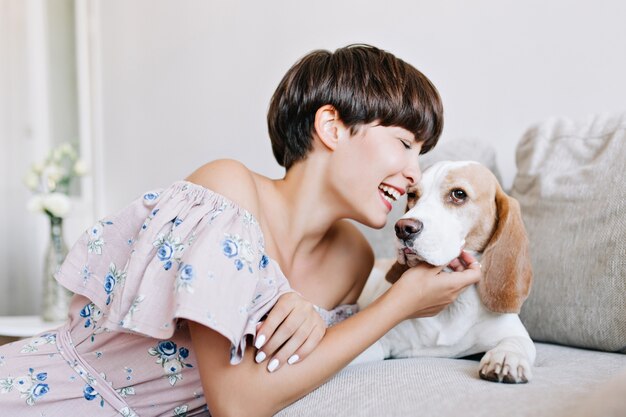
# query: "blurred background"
149,90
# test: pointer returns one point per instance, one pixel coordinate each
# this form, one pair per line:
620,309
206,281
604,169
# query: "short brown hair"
364,84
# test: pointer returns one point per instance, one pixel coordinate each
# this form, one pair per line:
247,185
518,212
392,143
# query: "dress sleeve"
180,253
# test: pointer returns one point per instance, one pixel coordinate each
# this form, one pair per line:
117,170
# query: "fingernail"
260,357
293,359
260,341
272,365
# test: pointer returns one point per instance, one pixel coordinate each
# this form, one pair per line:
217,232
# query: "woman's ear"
328,126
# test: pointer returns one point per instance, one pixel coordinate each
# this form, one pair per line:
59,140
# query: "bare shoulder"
230,178
355,256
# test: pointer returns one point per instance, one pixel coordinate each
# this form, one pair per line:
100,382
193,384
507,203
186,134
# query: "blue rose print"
165,251
184,278
112,279
183,352
166,349
40,390
186,273
230,248
90,393
30,387
170,249
109,285
150,197
86,312
241,250
264,261
172,359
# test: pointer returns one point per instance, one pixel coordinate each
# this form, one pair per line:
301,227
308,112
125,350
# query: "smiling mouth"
390,194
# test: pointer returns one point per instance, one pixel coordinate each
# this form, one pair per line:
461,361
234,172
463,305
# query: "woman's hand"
291,331
424,290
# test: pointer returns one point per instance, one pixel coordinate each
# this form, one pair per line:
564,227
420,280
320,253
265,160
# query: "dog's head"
460,205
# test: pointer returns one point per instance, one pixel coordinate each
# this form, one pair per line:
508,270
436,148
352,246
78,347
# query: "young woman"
215,292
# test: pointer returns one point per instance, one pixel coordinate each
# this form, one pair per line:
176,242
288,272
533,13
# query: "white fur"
444,230
465,327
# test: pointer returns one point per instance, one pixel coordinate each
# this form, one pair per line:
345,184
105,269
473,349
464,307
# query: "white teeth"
391,194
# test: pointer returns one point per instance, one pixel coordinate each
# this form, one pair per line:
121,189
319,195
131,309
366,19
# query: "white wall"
175,84
186,82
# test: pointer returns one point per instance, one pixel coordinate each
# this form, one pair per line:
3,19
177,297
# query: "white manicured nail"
260,341
293,359
260,357
272,365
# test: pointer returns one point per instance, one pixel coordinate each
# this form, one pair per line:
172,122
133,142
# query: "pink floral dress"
178,254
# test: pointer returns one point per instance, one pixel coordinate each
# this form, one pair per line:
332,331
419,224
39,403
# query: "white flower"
96,313
172,367
31,180
80,168
56,155
53,172
23,383
35,204
57,203
96,231
67,149
38,167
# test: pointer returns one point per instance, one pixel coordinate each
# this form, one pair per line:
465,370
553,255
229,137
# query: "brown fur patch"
498,232
395,272
481,184
507,271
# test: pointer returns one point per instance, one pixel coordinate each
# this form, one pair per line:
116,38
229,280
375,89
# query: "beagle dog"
461,206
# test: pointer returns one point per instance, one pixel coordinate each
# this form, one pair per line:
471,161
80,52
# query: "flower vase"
56,298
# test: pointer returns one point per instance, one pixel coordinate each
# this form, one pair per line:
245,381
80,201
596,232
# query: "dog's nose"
408,229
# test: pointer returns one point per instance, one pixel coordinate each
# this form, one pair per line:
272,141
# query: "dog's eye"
458,195
411,195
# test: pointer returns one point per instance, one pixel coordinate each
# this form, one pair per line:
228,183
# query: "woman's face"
378,163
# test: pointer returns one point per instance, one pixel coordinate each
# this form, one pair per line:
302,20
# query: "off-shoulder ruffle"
184,252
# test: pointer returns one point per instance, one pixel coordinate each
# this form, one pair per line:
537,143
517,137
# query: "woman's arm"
250,390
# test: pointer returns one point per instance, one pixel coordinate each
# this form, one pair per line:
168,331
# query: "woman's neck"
298,211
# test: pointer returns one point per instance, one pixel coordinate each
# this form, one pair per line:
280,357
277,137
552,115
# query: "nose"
412,171
408,229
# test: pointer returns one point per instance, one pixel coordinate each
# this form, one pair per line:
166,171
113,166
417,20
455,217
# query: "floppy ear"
507,271
395,272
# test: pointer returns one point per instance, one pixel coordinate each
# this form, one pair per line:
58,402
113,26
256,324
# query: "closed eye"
407,145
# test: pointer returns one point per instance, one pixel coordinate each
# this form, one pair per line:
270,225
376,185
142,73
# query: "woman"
171,291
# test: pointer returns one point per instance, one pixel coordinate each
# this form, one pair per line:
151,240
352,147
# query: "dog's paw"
505,366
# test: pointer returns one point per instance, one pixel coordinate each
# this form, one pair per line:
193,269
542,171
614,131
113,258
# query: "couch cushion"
571,187
451,387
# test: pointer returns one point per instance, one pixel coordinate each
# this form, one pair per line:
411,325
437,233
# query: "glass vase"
56,298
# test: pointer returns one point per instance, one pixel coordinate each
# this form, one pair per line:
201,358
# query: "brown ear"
395,272
507,270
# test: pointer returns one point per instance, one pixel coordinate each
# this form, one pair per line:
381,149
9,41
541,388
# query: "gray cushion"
451,387
571,187
607,400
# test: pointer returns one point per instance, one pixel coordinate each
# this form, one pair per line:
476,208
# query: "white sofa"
571,186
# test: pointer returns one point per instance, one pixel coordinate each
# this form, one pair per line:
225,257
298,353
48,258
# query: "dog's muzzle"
408,229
